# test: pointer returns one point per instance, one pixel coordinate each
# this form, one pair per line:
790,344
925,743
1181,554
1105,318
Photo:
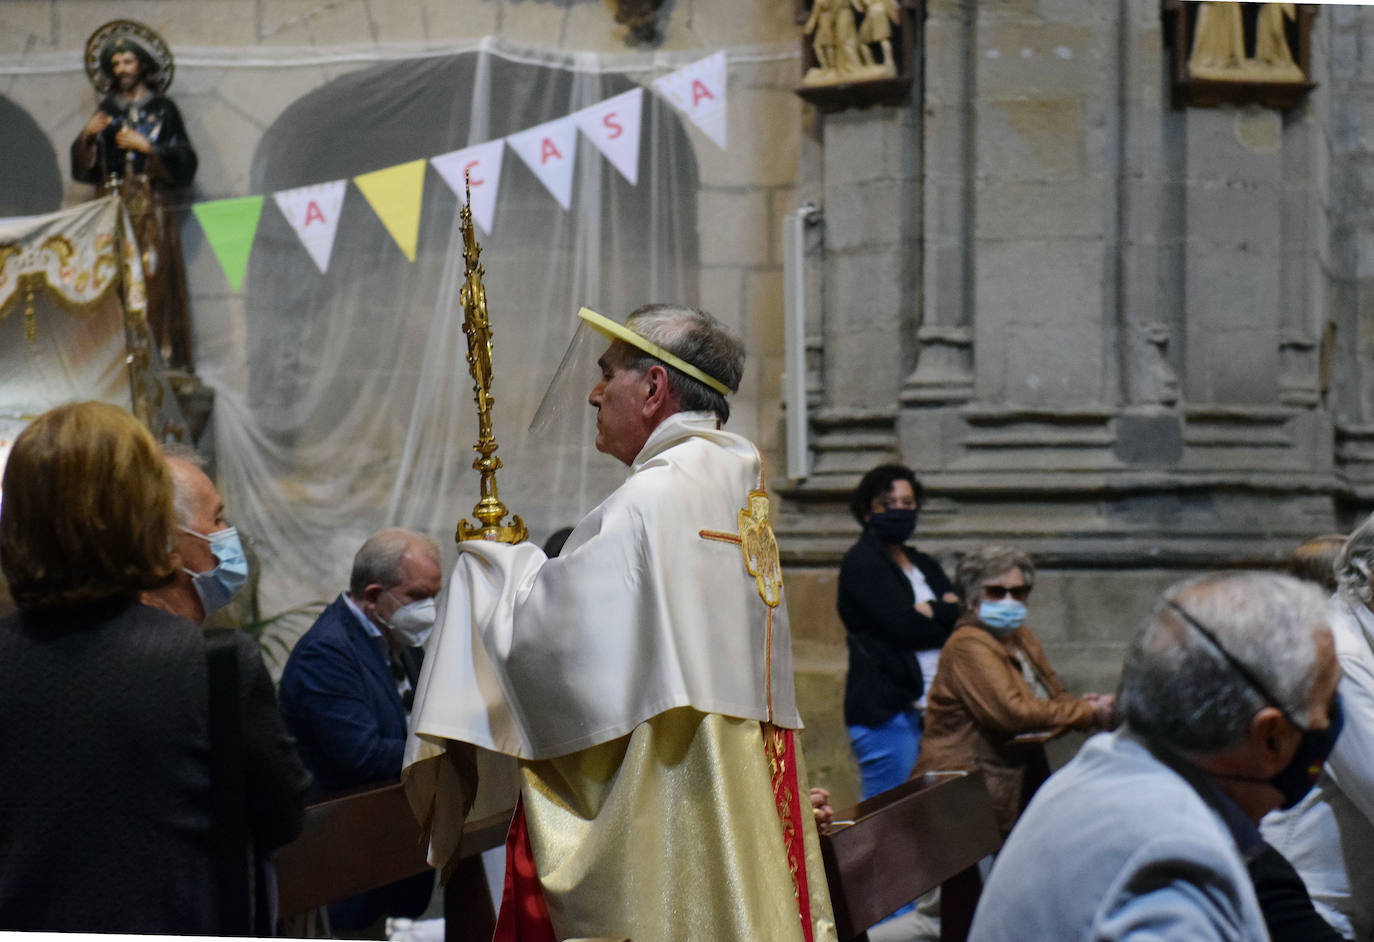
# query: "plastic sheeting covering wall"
343,401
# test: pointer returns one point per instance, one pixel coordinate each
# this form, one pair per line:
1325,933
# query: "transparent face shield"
564,409
565,403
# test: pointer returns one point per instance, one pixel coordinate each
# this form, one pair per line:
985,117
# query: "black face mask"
1296,778
894,525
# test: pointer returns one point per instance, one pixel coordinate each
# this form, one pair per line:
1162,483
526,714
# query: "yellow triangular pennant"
395,194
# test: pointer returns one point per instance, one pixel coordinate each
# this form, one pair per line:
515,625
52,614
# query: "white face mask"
413,622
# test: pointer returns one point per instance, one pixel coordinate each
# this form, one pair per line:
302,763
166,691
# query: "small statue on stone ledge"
843,49
1218,51
135,145
879,18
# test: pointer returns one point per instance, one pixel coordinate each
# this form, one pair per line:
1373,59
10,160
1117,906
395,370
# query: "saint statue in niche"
136,146
1272,54
845,46
879,18
1219,52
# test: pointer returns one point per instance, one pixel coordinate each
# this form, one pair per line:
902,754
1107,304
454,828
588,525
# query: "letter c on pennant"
472,181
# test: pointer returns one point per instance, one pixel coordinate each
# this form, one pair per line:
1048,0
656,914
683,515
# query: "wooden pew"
368,838
928,832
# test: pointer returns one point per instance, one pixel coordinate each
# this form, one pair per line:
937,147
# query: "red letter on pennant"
610,122
312,214
467,168
700,91
547,150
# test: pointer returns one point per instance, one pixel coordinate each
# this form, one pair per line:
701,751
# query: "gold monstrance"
489,510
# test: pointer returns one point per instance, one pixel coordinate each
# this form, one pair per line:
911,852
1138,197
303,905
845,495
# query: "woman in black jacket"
898,607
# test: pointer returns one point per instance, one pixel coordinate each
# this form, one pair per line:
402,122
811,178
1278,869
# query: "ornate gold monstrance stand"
489,511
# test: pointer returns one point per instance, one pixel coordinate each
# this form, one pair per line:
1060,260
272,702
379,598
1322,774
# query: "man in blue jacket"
346,690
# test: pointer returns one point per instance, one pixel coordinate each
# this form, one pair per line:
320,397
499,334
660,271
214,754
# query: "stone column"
944,370
872,205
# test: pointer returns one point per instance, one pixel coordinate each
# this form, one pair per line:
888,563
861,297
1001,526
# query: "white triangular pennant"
550,150
613,126
482,162
313,212
698,91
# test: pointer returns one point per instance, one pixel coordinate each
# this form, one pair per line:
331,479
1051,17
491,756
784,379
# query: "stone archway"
32,181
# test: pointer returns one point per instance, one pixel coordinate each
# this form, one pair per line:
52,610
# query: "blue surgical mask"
217,586
1002,617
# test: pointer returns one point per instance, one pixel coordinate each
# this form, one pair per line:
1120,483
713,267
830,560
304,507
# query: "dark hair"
147,66
88,509
878,482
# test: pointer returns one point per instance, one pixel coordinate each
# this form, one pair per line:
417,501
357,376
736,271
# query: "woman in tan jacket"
994,682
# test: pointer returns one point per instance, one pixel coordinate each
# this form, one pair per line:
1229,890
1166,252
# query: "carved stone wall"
1118,318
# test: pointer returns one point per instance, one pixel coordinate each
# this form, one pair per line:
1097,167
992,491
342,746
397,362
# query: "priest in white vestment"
643,679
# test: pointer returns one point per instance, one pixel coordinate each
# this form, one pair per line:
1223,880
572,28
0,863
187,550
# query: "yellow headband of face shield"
613,331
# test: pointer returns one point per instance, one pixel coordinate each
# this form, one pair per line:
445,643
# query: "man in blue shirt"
1229,700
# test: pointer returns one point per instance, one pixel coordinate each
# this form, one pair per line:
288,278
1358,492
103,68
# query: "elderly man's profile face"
207,515
619,399
420,579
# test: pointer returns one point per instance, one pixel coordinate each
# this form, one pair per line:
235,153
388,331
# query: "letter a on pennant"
395,194
230,226
613,126
550,150
698,91
313,212
482,163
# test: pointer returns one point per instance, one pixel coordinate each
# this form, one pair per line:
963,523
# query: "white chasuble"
631,675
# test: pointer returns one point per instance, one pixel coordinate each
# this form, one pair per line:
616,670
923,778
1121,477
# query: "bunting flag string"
481,165
550,150
230,226
396,194
313,212
613,126
698,91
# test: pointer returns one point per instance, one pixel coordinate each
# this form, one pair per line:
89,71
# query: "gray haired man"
1229,699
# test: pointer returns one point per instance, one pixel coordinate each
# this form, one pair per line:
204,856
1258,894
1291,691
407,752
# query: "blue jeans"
887,753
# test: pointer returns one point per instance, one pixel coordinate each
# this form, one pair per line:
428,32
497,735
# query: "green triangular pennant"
230,225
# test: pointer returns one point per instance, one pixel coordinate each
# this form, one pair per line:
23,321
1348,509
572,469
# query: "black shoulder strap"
233,865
